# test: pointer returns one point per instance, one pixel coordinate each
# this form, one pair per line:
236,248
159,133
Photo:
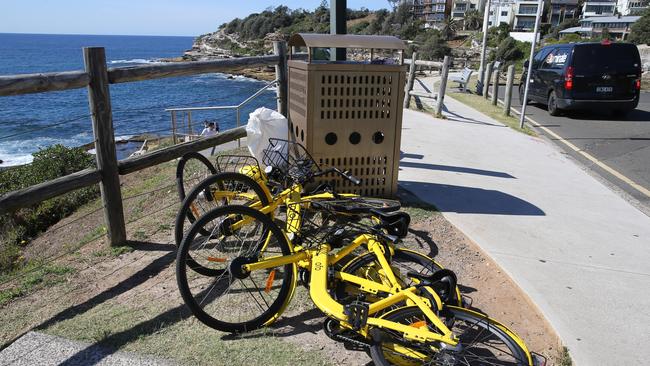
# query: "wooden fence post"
280,49
410,80
443,86
99,101
486,79
495,87
508,98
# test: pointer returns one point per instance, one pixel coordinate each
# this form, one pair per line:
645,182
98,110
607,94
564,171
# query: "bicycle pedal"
357,313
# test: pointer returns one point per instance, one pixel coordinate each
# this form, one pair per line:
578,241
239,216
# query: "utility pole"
481,72
338,25
538,18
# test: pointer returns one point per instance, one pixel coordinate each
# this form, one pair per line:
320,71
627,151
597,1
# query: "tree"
432,46
605,34
640,30
473,20
449,28
508,51
566,23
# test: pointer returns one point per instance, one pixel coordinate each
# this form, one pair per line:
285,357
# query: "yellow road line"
591,158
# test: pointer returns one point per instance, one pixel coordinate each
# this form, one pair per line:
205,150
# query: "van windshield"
596,58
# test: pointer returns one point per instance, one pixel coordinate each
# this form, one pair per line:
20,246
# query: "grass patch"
45,276
565,358
414,206
168,334
113,251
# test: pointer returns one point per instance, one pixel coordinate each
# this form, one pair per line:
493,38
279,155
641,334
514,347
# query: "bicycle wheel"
402,262
224,297
221,189
191,170
361,205
483,341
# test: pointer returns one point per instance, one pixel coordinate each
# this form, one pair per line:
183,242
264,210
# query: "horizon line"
98,34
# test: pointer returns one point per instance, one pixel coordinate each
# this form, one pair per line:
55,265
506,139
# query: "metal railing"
187,116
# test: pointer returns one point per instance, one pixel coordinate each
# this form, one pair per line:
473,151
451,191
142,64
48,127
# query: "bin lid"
312,40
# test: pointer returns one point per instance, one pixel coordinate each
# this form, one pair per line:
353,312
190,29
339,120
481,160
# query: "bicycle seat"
396,223
443,282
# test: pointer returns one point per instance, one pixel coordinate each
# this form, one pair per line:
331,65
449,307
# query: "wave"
19,152
206,78
135,61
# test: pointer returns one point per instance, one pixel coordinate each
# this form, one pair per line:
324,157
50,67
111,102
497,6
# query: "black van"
585,76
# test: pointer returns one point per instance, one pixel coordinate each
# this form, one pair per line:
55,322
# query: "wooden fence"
96,78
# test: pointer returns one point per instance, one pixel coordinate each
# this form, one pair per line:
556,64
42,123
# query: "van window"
556,59
597,58
539,57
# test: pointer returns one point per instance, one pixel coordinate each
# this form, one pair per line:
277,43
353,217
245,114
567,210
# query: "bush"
18,227
640,30
511,51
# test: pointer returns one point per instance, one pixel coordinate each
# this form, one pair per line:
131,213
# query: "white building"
632,7
501,12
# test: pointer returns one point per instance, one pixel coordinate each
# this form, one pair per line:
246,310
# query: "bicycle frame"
319,261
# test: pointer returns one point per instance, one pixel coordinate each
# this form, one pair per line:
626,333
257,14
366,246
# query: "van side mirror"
526,64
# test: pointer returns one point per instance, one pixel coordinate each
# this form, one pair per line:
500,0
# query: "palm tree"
449,28
473,20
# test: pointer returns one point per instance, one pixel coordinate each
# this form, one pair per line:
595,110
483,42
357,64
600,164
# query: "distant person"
211,129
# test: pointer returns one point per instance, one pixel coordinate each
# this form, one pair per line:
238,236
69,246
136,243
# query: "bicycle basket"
243,164
291,159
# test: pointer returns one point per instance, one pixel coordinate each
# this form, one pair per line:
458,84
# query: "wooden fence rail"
97,77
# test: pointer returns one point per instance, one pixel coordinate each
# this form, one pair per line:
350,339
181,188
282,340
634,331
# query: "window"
504,13
539,57
472,6
491,12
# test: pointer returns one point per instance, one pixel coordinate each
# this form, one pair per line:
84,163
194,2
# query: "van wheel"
521,95
553,110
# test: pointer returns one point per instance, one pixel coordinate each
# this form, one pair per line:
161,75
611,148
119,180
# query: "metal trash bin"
349,114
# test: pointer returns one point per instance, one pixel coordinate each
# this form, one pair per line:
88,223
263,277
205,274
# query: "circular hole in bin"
378,137
355,138
302,135
331,138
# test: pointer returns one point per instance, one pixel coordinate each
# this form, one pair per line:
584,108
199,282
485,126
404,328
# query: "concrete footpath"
36,348
581,252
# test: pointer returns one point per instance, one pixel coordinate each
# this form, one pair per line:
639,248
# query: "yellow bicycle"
253,274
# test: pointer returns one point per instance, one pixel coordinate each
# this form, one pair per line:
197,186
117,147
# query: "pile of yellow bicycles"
255,233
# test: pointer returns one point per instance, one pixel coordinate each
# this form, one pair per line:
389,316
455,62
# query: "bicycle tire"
196,165
464,322
361,205
190,207
217,309
405,260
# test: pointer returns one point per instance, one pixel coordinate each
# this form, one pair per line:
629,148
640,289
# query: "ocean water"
138,107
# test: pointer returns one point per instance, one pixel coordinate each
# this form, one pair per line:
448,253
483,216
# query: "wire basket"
244,164
291,159
315,223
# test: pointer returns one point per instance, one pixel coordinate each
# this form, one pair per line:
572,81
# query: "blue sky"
138,17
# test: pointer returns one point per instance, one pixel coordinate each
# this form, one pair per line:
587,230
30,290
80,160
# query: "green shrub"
18,227
640,30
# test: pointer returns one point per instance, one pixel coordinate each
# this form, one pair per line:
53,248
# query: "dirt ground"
126,298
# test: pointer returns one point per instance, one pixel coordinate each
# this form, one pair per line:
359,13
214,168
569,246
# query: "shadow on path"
470,200
457,169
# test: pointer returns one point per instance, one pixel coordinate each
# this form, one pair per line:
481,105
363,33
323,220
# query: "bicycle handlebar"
345,174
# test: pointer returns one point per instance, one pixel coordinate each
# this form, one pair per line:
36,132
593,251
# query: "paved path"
41,349
576,248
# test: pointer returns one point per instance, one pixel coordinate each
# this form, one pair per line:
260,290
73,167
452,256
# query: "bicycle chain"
341,338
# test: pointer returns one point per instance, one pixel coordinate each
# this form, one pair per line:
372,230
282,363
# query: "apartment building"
432,12
598,8
524,17
617,26
561,10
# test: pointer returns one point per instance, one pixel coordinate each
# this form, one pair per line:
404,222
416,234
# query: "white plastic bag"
264,124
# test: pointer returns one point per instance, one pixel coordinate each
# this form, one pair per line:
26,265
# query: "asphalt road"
621,143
